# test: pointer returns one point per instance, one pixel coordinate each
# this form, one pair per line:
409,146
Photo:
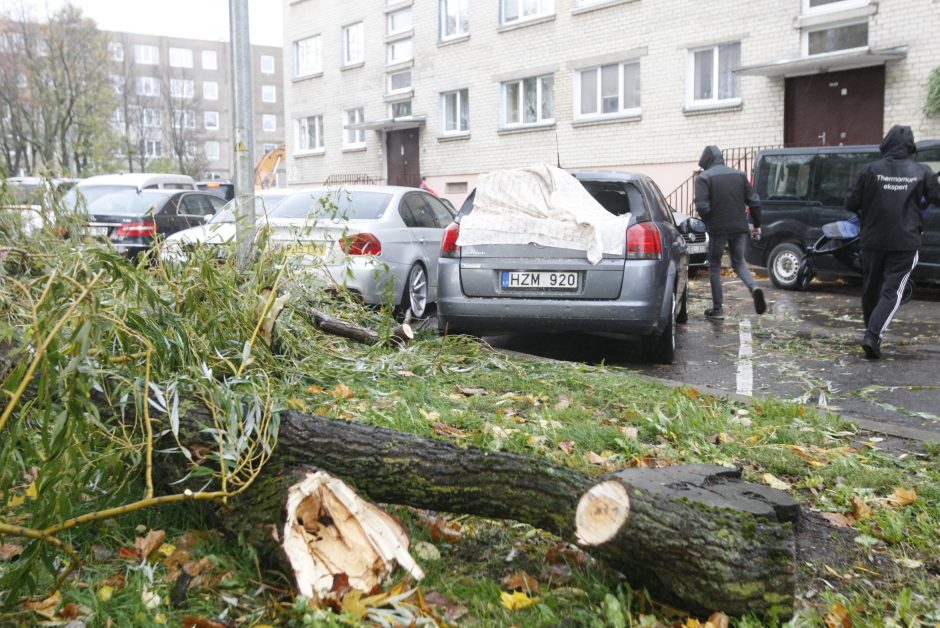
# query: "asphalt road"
804,348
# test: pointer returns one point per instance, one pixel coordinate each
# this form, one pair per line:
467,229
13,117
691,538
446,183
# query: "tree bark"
401,334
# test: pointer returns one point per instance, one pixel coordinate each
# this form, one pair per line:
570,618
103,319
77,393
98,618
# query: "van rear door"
929,153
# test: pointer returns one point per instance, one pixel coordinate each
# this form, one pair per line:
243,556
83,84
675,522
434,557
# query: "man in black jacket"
722,195
889,196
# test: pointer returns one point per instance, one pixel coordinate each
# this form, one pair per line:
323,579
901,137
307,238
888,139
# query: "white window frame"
150,84
358,137
832,7
117,82
354,45
151,118
216,150
804,37
463,21
210,94
621,112
206,63
391,109
504,122
715,101
302,128
545,8
461,99
267,64
180,57
269,122
315,43
182,88
390,28
400,90
151,148
269,93
146,54
184,119
115,51
207,119
390,47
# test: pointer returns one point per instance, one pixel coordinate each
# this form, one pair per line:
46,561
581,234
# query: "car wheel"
683,316
415,297
783,265
662,348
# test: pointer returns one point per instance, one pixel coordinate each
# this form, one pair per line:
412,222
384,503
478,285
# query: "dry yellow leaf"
167,549
774,482
838,617
313,389
433,417
105,593
47,607
342,391
838,520
903,497
860,509
406,374
517,600
566,446
295,403
31,491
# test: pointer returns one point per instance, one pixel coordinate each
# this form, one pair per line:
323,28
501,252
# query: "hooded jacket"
722,194
890,194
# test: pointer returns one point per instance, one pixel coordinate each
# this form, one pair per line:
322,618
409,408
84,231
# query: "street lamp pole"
243,131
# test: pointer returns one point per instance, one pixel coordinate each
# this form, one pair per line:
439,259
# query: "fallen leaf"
594,458
200,622
521,581
517,600
718,620
902,497
128,553
426,551
150,599
838,519
313,389
838,617
860,509
146,545
910,563
470,392
9,551
116,581
563,403
566,446
298,404
46,607
452,610
442,529
774,482
406,374
445,429
631,433
72,611
342,391
429,416
105,593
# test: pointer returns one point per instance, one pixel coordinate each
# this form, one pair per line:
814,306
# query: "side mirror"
692,225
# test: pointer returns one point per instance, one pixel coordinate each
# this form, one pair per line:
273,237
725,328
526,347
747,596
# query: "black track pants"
884,275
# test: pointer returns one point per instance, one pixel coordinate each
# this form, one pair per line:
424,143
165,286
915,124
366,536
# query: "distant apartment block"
448,89
175,97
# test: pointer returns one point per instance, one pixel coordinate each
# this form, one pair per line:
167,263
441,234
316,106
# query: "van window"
930,157
835,175
785,177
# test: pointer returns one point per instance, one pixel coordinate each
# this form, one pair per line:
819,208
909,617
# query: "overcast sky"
198,19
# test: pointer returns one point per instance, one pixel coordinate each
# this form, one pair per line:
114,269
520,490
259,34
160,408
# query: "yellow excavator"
266,170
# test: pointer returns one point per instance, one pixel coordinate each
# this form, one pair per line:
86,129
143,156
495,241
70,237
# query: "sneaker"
760,305
715,313
872,347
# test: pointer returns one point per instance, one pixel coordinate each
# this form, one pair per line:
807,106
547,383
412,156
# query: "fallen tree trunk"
401,335
697,537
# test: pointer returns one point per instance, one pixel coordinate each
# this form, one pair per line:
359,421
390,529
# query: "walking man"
889,196
722,196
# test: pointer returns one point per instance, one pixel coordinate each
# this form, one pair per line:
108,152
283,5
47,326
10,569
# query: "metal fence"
742,158
335,180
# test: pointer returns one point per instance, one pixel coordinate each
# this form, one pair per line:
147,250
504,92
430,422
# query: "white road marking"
745,367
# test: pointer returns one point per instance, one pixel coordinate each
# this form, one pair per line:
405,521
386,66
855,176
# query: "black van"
802,189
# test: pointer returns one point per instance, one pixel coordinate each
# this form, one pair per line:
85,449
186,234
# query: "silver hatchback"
641,290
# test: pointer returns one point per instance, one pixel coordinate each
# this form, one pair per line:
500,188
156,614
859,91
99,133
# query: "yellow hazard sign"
240,147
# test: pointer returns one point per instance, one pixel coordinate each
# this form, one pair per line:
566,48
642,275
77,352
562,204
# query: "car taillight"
644,241
449,246
141,229
361,244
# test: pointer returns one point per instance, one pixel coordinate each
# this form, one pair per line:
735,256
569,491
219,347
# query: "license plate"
540,280
98,232
696,248
313,249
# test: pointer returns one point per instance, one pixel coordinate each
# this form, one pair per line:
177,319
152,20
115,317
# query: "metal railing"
740,157
335,180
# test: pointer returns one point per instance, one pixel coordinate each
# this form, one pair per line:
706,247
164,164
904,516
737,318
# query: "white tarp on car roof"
543,205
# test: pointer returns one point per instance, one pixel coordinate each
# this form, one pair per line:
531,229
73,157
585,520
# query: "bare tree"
184,115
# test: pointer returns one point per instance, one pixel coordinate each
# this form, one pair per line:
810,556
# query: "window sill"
512,26
530,128
306,77
399,96
352,66
598,6
456,39
718,107
611,119
399,65
392,7
355,149
852,11
309,153
453,137
393,37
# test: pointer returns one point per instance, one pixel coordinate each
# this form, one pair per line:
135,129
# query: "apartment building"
175,97
447,89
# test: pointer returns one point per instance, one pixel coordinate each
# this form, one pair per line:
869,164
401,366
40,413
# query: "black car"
132,220
802,189
220,187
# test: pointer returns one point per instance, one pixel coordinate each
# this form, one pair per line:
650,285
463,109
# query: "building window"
151,118
712,79
455,112
210,60
181,88
399,21
150,148
454,18
353,138
146,55
308,56
836,38
117,117
267,64
401,109
528,101
210,90
117,82
184,119
211,149
211,120
269,122
116,50
512,11
310,133
588,3
399,51
609,90
353,46
268,93
399,81
181,58
823,6
148,86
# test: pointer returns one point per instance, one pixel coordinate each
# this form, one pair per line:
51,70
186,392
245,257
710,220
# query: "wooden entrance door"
835,109
403,165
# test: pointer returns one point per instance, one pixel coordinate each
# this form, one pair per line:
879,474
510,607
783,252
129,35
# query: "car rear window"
785,177
340,204
618,197
128,203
